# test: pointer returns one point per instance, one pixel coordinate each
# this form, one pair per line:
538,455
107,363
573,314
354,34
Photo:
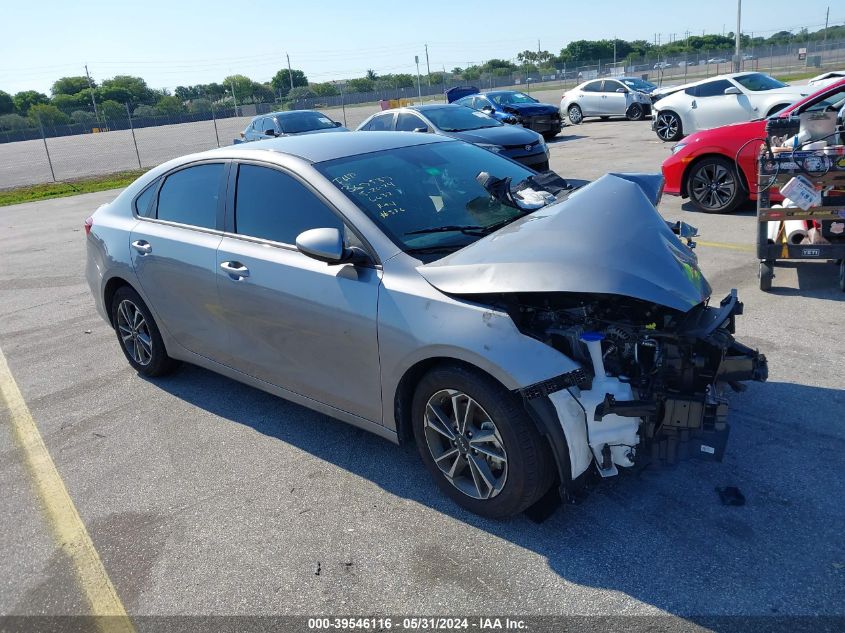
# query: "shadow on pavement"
660,536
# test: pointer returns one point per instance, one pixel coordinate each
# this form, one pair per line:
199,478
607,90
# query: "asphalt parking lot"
204,496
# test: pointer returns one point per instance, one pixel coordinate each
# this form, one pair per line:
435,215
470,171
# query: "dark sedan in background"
511,106
456,121
290,123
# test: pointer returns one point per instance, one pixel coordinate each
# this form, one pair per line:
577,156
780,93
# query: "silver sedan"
427,290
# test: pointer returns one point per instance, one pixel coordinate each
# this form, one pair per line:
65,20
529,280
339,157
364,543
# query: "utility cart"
825,171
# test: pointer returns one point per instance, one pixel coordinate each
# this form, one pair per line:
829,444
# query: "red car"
703,166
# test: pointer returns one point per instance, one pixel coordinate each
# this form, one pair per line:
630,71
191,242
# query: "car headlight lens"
677,148
491,148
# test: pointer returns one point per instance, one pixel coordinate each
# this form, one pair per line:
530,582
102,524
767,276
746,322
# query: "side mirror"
326,245
622,90
338,124
487,109
270,132
420,129
733,90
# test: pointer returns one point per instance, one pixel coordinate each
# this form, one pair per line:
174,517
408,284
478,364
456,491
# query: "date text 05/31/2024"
418,624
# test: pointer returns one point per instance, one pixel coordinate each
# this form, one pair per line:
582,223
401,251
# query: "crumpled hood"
605,238
531,109
504,135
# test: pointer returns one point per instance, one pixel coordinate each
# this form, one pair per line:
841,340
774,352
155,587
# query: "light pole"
419,87
737,58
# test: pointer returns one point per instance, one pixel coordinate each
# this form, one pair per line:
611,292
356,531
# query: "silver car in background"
604,98
426,289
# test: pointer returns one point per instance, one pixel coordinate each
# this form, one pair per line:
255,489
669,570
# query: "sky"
171,43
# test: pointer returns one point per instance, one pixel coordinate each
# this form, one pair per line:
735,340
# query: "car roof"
284,113
317,148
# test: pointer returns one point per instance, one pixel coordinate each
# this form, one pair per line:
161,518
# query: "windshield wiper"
465,229
433,250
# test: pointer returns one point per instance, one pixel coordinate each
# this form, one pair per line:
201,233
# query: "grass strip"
32,193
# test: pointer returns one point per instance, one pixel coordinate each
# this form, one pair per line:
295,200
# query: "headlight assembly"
677,148
491,148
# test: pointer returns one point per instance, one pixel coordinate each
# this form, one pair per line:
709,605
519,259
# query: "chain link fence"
43,152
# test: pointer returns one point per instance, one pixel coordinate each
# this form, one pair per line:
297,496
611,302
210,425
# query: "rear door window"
593,86
407,122
191,196
380,123
272,205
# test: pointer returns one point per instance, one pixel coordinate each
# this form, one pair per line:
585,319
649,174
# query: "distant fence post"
214,120
46,149
134,140
343,105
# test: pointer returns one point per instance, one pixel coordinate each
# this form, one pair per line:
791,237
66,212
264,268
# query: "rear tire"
714,186
604,118
550,135
478,443
138,334
575,115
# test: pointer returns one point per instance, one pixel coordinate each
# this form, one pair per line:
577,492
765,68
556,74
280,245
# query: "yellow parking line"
747,248
67,526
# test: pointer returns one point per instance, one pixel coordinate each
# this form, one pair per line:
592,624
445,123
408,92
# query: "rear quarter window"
143,202
191,196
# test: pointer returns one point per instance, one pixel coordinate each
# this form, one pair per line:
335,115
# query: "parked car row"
506,122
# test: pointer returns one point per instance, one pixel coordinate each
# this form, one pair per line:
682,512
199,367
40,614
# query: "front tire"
575,115
635,112
478,443
550,135
669,127
713,185
138,334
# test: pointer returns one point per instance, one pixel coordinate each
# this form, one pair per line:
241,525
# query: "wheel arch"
109,290
540,411
713,154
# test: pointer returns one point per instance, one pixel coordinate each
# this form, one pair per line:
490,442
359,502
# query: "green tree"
112,110
69,103
299,93
170,105
199,105
371,75
326,89
361,84
7,106
28,98
83,117
125,88
14,122
241,84
145,111
47,114
71,85
281,80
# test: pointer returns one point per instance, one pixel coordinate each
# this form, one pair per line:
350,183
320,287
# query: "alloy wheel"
667,126
575,115
465,444
713,186
134,332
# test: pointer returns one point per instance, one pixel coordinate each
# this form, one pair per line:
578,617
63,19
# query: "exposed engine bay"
653,379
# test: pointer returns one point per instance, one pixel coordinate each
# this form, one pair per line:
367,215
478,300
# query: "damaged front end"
604,280
654,379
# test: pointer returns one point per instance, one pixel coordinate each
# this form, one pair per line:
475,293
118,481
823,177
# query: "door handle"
142,246
235,269
693,105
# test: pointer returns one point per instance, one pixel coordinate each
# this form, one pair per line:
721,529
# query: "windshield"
758,82
505,98
832,102
638,84
459,118
295,122
424,187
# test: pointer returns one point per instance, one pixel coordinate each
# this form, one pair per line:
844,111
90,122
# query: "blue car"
517,143
511,106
